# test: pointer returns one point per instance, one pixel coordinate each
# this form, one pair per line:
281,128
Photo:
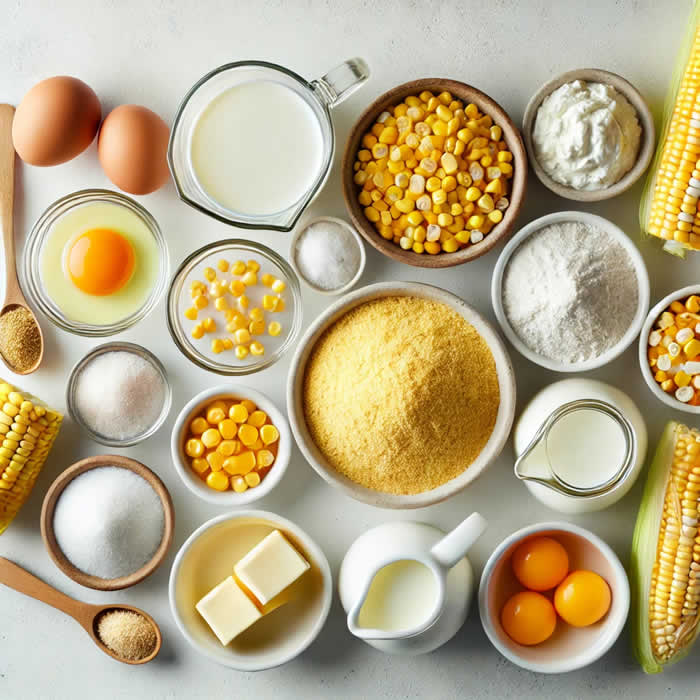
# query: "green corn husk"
660,523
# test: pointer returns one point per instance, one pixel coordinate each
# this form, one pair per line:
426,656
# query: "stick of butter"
271,566
228,610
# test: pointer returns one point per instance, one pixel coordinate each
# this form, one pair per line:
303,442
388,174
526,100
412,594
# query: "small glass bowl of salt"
119,394
328,255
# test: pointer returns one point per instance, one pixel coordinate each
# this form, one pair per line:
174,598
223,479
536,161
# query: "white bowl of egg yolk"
558,583
184,429
95,263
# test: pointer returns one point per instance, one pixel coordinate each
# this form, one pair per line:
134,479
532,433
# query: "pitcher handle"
453,546
341,81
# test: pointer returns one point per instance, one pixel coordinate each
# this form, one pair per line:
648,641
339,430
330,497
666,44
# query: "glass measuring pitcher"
584,448
319,97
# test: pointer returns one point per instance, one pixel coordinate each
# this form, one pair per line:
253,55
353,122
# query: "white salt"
109,522
327,255
119,394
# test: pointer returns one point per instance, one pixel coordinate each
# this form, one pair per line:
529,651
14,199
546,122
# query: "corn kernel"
194,448
238,413
274,329
221,304
256,314
241,352
217,346
209,325
238,268
200,302
257,348
199,465
252,479
217,481
209,274
197,331
256,327
243,302
250,278
247,434
226,448
223,265
242,336
215,461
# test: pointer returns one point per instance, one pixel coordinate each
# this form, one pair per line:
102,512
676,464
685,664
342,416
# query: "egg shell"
132,148
55,121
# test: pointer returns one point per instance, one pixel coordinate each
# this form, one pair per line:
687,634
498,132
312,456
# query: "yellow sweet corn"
415,159
27,431
665,561
669,208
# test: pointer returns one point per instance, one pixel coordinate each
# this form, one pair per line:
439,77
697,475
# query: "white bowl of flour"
570,291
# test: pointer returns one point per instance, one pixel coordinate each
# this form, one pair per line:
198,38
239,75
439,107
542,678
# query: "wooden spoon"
87,615
13,293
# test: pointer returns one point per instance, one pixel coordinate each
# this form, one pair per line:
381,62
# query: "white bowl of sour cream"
589,134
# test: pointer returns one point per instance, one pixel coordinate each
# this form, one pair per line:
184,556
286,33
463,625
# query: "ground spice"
401,394
129,635
20,339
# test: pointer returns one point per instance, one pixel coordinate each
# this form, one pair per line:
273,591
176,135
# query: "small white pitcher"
401,541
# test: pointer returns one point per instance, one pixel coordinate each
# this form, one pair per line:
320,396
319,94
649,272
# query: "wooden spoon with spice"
21,340
125,633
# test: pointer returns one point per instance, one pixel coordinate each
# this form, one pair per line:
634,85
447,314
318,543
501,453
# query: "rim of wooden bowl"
49,536
511,135
644,116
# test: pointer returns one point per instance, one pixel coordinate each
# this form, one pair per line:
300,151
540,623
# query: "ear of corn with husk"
665,561
669,207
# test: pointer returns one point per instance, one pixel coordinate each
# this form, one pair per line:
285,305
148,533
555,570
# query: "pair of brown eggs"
59,117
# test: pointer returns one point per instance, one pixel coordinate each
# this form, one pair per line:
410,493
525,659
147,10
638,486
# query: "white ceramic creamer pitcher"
406,586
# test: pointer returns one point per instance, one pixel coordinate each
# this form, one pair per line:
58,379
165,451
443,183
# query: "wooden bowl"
511,136
49,537
646,144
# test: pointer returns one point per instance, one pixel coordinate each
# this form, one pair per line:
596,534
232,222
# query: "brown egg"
55,121
132,147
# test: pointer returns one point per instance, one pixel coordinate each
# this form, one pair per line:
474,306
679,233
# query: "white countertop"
151,53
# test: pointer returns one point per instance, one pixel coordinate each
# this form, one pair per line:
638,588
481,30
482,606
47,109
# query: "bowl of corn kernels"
234,307
231,445
669,349
434,173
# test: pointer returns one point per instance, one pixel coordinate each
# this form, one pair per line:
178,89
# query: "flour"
570,292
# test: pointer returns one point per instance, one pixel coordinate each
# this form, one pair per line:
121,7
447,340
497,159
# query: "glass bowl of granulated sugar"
570,291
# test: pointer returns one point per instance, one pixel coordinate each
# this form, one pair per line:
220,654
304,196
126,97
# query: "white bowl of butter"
208,558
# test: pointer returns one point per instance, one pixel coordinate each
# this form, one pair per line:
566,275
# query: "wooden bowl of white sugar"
114,526
570,291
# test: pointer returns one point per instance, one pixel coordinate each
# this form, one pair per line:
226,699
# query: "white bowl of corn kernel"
231,445
234,307
669,349
434,173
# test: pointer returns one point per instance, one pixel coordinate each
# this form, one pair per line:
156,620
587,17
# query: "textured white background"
151,53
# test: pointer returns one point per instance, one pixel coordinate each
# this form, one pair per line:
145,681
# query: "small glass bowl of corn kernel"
669,349
234,307
231,446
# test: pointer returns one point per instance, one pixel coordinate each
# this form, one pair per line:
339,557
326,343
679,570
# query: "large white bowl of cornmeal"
401,394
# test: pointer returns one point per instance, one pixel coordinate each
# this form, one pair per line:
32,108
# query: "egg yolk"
100,261
540,563
582,598
528,618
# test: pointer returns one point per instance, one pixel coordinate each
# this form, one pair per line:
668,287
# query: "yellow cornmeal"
401,394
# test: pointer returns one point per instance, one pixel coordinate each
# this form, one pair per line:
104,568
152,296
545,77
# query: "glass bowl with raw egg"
95,263
234,307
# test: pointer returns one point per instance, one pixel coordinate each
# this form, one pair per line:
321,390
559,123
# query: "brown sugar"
20,339
401,394
128,634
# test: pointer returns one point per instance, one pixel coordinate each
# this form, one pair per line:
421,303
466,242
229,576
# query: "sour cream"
586,135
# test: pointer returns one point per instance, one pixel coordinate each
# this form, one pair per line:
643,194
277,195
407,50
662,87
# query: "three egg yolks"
100,261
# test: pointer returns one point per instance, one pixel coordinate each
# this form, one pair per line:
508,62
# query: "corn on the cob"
27,431
665,563
669,207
